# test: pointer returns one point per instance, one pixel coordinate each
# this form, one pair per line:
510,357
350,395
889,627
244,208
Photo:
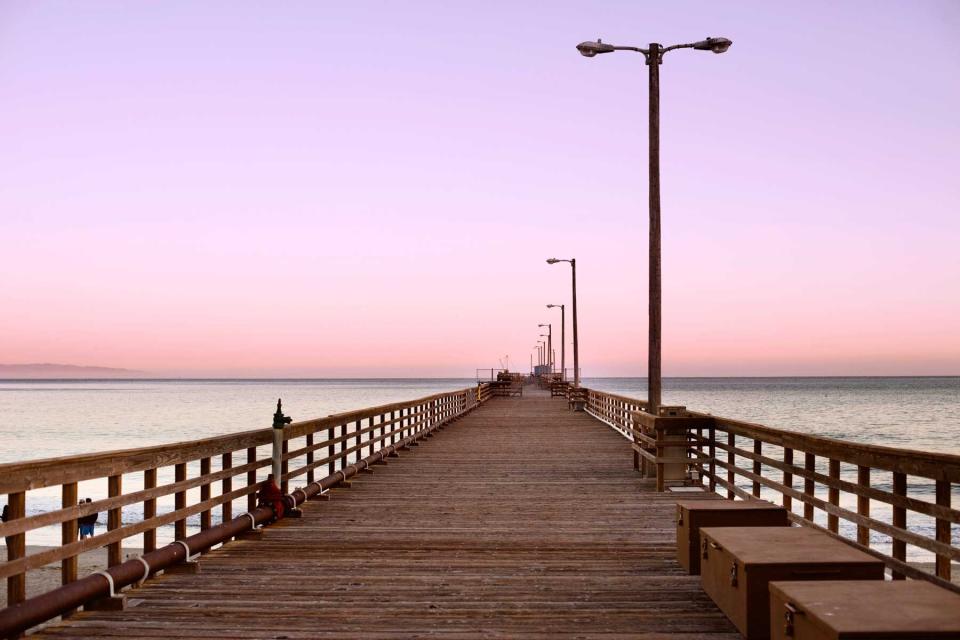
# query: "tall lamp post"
550,356
563,339
576,345
654,57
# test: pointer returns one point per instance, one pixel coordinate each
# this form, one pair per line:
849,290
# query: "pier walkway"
520,520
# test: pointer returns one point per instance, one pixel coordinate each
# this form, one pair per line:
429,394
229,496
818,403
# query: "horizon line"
301,378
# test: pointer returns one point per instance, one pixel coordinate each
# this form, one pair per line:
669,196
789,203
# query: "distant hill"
49,370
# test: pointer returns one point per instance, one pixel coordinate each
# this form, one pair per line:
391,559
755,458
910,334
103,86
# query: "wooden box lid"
725,505
784,545
870,608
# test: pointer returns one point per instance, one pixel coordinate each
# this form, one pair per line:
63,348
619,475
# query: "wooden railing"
208,474
616,411
903,497
818,472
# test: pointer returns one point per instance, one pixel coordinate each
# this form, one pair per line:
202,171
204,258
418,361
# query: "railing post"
809,465
279,422
833,496
205,493
699,451
661,481
731,464
370,435
712,452
757,450
331,451
788,478
16,548
149,510
863,505
284,466
226,486
180,501
943,529
251,478
310,474
68,533
899,521
114,549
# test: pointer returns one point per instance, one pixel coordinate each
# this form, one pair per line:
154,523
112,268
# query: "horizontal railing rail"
903,498
199,476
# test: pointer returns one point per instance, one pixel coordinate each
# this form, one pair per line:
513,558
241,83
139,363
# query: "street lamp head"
717,45
589,49
552,261
551,306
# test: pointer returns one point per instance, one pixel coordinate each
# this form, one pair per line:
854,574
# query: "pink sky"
365,188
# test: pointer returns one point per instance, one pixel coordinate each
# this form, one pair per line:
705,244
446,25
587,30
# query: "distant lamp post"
654,57
550,357
563,339
576,344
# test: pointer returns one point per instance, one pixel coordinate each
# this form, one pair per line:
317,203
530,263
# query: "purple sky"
319,188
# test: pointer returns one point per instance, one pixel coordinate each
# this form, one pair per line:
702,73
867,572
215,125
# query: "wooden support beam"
899,521
943,529
205,494
863,505
114,521
68,533
226,486
809,488
149,510
180,501
833,496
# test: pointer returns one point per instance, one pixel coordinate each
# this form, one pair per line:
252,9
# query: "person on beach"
3,518
86,523
270,496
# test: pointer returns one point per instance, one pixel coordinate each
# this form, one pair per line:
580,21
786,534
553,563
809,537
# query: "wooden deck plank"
522,520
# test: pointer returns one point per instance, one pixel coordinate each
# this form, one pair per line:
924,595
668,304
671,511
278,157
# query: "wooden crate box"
694,514
740,562
847,609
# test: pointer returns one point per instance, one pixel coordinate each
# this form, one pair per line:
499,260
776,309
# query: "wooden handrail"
338,439
728,454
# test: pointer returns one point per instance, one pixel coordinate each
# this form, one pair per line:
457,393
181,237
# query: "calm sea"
55,418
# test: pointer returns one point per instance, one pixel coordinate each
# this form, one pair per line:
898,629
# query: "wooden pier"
520,520
503,511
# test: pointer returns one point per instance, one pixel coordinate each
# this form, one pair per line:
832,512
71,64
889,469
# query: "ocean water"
55,418
915,413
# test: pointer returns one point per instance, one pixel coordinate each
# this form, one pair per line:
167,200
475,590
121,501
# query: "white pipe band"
253,521
186,550
109,580
146,570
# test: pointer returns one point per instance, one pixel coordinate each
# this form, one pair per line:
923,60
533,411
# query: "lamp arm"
688,45
637,49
